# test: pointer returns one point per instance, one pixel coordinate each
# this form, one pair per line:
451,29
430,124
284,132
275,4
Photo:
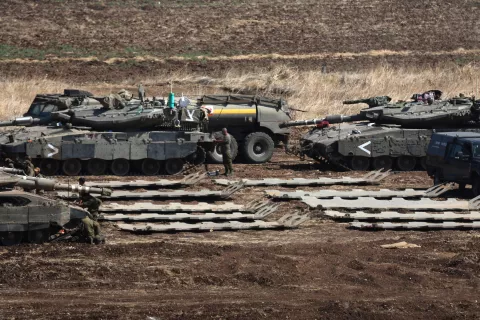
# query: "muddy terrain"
320,270
96,40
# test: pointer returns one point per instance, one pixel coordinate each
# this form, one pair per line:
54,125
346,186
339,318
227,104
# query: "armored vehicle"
455,157
30,217
115,133
386,134
253,121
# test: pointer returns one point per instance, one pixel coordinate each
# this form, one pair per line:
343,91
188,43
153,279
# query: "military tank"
29,217
253,121
114,133
385,134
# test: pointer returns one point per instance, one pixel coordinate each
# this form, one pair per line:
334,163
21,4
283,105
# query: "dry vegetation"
317,93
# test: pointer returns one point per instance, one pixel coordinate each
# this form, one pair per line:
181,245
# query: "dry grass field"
317,93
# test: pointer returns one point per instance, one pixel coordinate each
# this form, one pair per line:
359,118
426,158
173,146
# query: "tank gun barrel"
52,185
22,121
338,118
372,102
11,170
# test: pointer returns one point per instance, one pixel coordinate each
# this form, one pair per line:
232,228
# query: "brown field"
276,48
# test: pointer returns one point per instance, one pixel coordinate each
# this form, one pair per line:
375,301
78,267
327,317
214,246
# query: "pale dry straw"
317,93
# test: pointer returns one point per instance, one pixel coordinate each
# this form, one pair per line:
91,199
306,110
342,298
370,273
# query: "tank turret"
392,134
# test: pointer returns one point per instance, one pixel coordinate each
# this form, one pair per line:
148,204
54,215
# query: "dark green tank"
391,135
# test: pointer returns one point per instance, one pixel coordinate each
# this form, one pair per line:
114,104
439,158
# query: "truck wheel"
215,156
436,179
258,147
476,186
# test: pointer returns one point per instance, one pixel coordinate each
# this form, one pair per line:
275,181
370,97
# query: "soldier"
90,231
7,162
91,203
36,173
226,151
29,168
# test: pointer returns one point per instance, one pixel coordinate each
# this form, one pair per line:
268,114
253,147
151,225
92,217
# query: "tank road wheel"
38,236
49,167
173,166
96,167
406,163
359,163
11,238
258,147
198,157
215,156
383,162
423,163
120,167
476,186
150,167
71,167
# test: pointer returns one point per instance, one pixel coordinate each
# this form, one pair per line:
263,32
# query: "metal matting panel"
209,216
287,221
416,225
147,207
417,216
373,177
206,216
395,203
357,193
162,183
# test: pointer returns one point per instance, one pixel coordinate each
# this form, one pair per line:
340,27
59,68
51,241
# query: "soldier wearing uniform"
7,162
90,231
29,168
91,203
37,173
225,143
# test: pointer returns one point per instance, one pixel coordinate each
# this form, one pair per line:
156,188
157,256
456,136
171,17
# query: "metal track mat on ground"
177,194
373,177
207,216
397,216
394,204
147,207
357,193
191,179
416,225
287,221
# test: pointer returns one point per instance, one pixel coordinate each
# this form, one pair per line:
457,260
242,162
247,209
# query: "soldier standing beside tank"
29,168
225,148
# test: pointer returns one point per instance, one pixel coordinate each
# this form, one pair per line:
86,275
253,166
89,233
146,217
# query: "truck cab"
455,157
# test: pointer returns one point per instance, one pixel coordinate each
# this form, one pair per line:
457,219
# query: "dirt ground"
321,270
97,40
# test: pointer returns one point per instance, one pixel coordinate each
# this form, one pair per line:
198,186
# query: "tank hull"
365,146
94,151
